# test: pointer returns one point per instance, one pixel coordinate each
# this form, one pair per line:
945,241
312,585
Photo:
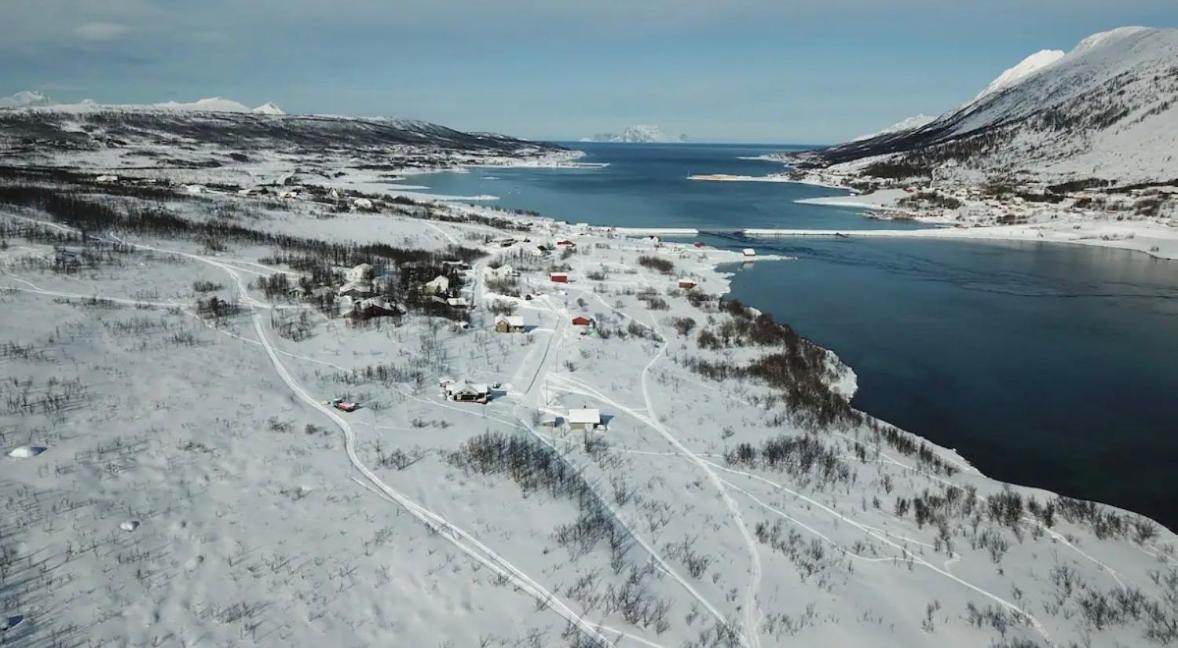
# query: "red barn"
559,277
581,320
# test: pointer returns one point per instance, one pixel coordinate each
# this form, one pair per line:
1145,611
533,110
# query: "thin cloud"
101,32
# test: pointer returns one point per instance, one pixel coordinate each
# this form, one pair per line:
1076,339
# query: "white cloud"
100,31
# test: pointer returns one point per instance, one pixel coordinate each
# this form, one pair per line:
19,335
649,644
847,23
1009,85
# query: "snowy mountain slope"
1024,69
911,123
228,123
34,99
1106,109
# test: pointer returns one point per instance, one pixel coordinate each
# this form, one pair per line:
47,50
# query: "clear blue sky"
806,71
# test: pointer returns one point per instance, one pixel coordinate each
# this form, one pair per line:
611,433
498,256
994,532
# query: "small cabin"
436,286
362,272
686,284
356,289
581,320
749,252
565,243
466,392
376,307
509,324
559,277
584,419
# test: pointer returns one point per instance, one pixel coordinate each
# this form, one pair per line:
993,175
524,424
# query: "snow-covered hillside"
910,123
178,308
639,134
228,135
1108,109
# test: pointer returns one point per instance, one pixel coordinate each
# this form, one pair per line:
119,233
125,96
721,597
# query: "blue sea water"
1046,365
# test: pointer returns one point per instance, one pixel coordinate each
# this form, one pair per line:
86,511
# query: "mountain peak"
1100,39
269,108
1022,70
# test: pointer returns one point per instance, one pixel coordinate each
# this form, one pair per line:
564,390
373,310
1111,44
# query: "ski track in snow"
751,607
453,534
482,554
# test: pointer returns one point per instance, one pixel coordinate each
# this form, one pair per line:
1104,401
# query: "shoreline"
722,261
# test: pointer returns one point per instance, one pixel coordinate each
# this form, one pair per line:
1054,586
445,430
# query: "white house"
509,324
356,289
584,419
464,391
436,286
362,272
749,252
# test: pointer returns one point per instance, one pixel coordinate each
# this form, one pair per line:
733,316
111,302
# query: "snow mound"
268,108
210,104
26,452
1022,70
25,99
129,525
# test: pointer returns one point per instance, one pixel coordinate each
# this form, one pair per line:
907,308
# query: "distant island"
639,134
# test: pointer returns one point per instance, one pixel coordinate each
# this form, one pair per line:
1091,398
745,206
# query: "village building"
584,419
559,277
362,272
370,307
509,324
749,252
581,320
455,267
465,392
457,302
686,284
437,286
356,289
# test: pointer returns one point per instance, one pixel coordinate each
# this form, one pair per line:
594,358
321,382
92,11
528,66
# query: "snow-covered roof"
355,286
585,416
514,321
465,387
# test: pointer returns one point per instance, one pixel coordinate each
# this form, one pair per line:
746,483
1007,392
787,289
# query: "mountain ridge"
1108,108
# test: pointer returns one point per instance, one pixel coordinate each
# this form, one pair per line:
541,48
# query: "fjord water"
1045,365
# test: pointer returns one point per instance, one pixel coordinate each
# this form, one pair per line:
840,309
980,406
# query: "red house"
565,243
686,284
581,320
559,277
